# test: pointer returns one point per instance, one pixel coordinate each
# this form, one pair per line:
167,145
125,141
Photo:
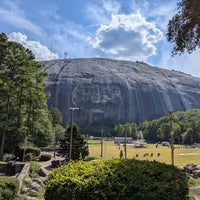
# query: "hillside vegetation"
186,128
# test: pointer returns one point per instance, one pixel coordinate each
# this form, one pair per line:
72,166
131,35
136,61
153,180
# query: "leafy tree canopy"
56,116
23,103
184,27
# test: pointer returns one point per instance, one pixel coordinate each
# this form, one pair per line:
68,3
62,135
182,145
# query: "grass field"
182,156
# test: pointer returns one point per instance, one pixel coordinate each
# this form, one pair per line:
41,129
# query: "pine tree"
79,145
22,98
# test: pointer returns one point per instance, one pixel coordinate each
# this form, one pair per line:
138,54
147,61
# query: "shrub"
35,151
45,157
37,194
34,169
194,182
9,187
22,197
116,179
31,153
6,157
27,182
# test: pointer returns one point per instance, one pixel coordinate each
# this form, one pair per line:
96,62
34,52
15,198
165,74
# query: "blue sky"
120,29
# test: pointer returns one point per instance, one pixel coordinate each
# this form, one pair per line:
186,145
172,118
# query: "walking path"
195,192
47,164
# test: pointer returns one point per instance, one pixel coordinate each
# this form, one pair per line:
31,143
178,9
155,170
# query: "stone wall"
3,168
11,168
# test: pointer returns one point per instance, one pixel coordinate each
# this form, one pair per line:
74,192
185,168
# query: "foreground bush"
45,157
116,180
31,154
9,187
34,171
6,157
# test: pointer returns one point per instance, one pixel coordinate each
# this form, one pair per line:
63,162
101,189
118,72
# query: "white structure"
121,140
140,143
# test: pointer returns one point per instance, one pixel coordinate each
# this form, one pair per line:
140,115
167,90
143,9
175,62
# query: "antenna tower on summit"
65,53
51,50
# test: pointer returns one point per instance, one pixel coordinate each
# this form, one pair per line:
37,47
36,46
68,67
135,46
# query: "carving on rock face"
98,100
94,96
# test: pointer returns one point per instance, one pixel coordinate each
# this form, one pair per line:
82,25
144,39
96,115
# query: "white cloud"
71,38
128,37
162,13
40,51
158,11
50,11
102,13
130,30
12,15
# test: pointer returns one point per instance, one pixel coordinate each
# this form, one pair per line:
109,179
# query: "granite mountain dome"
123,91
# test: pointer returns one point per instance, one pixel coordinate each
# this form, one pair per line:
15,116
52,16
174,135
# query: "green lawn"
110,150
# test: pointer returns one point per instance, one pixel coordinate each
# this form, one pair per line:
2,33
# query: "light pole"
171,115
102,142
125,141
71,132
24,151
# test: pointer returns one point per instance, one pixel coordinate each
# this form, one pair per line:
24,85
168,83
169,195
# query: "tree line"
186,128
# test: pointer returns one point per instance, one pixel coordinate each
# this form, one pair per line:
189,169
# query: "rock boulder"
124,91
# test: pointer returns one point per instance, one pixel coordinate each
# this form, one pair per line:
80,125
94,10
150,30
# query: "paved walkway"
47,164
195,192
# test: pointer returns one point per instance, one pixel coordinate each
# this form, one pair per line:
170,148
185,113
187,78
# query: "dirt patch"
188,154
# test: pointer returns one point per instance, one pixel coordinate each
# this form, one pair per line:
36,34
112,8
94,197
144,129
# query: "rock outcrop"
105,89
191,170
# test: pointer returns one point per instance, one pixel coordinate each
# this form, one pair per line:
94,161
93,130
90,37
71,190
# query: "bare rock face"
123,91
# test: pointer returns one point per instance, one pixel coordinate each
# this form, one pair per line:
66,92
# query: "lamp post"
24,151
125,141
71,132
102,142
171,115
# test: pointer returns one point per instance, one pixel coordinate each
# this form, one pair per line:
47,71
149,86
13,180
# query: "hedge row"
9,187
31,153
116,179
44,157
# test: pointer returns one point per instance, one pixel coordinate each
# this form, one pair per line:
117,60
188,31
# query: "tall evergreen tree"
79,145
56,120
22,97
56,116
